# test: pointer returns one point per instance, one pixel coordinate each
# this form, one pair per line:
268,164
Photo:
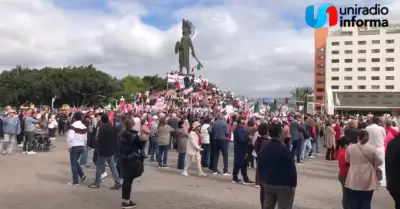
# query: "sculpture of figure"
185,45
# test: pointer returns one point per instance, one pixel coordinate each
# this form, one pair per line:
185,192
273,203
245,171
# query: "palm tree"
301,93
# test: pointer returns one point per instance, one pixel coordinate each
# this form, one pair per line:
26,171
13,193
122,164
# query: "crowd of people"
366,148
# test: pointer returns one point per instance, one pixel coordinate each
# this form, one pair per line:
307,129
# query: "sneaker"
185,174
312,157
226,174
256,186
236,181
20,145
301,163
31,153
248,182
128,205
116,186
24,152
94,186
165,166
73,184
202,174
83,178
160,166
104,175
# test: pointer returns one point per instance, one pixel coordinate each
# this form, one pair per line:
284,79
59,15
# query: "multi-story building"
362,70
320,37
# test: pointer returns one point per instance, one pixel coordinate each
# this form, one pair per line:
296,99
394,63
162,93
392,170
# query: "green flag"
256,108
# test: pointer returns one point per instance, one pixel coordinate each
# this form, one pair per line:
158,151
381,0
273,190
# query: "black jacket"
392,162
1,128
107,140
130,154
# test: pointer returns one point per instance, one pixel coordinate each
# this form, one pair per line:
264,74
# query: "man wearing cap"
11,128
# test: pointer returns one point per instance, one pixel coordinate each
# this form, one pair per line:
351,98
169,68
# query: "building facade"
320,37
362,70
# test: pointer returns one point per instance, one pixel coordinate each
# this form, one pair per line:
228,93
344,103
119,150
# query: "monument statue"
183,47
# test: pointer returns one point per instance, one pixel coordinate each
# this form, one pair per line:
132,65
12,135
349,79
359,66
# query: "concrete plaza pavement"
40,182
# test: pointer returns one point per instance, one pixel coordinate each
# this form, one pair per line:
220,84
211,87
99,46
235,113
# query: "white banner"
174,78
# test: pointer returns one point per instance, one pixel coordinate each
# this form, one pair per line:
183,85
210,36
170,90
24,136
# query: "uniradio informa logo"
347,16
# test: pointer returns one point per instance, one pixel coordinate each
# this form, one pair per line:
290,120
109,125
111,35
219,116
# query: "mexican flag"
197,67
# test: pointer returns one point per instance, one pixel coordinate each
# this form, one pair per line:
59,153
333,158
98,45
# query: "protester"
11,128
343,170
164,137
393,170
131,161
182,136
76,141
193,149
52,127
377,137
106,150
205,142
240,150
220,131
144,133
29,122
278,171
250,130
153,146
297,131
363,175
330,141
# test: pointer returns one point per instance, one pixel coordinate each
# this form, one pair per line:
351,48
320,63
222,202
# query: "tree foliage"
76,86
301,93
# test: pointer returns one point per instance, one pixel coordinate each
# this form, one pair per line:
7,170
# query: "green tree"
301,93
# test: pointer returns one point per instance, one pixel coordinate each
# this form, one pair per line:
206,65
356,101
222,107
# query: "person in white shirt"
76,141
205,142
52,126
193,150
136,121
377,136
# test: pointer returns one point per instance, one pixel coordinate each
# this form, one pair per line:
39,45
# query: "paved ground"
40,182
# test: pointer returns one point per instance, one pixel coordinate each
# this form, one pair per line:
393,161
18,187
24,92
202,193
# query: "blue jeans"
101,168
221,145
306,148
76,169
181,161
162,155
152,148
205,156
360,199
316,145
84,156
296,149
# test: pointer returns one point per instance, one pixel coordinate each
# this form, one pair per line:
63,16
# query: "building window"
362,42
335,52
348,69
361,69
375,87
375,78
335,60
361,87
375,60
362,51
320,90
388,96
320,66
389,59
334,87
375,69
390,41
320,81
389,78
348,51
376,41
347,33
361,96
348,95
348,60
389,68
320,73
321,49
335,69
362,60
320,97
389,50
336,43
348,87
348,43
389,87
361,78
375,51
335,78
321,57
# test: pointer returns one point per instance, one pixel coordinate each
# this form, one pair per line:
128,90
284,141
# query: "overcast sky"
254,47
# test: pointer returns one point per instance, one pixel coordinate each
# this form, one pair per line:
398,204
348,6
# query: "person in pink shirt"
286,131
